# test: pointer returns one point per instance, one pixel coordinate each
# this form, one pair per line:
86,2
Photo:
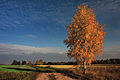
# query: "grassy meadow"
15,68
17,72
30,72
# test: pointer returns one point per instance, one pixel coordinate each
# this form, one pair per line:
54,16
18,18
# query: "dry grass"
57,66
105,73
17,75
73,66
100,73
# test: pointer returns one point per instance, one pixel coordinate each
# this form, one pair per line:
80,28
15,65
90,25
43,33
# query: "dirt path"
52,76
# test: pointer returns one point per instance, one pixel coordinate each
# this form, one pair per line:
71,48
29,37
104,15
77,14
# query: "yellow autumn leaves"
84,36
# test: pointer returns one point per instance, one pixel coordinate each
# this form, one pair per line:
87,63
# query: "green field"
15,68
17,72
42,68
26,68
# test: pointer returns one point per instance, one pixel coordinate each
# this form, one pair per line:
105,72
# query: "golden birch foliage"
84,36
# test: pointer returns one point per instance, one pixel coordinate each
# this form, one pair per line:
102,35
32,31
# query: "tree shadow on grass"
20,69
34,69
31,70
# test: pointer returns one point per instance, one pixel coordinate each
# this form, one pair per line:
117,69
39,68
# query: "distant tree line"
107,61
41,62
30,62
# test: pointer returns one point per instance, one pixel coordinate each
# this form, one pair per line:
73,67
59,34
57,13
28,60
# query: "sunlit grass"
57,66
17,72
73,66
13,68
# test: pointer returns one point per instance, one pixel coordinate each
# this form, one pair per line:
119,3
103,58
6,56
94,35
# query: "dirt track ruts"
52,76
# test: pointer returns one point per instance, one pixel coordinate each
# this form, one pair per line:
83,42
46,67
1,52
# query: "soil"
53,76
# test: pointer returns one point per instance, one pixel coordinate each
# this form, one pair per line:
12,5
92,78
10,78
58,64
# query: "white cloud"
13,49
21,49
114,48
111,52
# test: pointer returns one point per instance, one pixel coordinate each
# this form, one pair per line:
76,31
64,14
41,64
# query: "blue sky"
21,18
41,23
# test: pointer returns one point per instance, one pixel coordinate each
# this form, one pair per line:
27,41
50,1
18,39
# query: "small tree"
18,63
37,62
14,62
33,62
84,37
30,62
24,62
40,61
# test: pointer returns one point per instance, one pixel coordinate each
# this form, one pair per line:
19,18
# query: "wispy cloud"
113,48
31,36
14,49
21,49
111,52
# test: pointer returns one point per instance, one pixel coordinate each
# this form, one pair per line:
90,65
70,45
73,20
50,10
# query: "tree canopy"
85,36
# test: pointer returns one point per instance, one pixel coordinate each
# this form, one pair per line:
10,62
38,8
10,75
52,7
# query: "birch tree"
84,37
